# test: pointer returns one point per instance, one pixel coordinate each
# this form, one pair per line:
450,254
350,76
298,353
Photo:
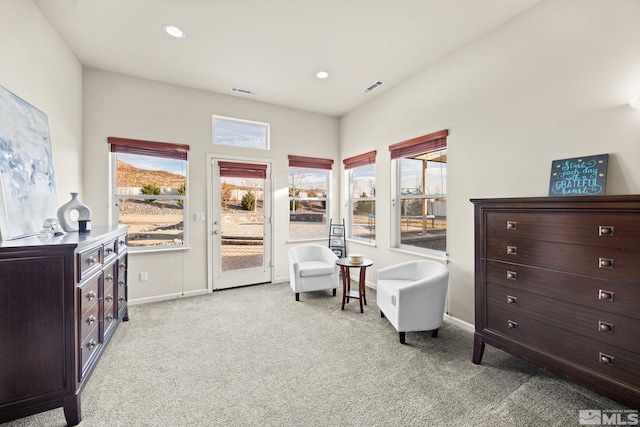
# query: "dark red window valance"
242,170
310,162
148,148
419,145
360,160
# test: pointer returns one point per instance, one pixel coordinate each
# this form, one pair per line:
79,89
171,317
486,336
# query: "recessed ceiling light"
173,31
322,74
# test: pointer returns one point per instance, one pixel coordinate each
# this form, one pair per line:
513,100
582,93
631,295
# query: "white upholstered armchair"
412,295
312,268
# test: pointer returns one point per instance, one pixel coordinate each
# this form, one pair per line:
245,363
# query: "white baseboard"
460,323
168,297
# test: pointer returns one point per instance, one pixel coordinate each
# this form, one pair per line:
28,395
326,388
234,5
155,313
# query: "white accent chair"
312,268
412,295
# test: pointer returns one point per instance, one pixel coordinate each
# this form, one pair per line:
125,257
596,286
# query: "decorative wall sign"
28,193
580,176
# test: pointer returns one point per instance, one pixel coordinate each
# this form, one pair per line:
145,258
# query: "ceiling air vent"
243,91
373,86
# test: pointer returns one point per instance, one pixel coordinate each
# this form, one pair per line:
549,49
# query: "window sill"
362,242
155,249
444,257
309,239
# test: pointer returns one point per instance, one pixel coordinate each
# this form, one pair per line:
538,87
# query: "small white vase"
64,213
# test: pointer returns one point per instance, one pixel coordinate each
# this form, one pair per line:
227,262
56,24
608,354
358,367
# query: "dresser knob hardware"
91,295
606,359
122,242
110,317
109,298
511,300
91,319
123,266
91,260
91,345
605,263
121,282
605,230
512,225
109,250
605,295
122,299
109,278
605,327
512,275
511,324
512,250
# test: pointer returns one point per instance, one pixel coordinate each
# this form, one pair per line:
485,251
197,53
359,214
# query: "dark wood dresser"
557,282
61,300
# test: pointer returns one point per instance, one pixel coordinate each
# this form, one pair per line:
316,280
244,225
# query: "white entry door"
240,222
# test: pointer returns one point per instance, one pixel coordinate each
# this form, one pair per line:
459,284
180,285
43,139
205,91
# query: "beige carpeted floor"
254,357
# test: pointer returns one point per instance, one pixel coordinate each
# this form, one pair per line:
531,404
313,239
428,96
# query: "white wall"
551,84
37,66
128,107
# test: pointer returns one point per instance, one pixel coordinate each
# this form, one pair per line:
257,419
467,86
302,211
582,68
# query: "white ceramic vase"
64,213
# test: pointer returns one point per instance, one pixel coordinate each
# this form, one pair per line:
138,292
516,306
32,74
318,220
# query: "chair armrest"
403,271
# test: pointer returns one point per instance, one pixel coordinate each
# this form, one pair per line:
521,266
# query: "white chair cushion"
315,268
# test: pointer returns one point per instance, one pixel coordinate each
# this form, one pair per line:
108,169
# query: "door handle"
216,231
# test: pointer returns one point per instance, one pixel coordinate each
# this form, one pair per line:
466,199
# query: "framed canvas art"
28,192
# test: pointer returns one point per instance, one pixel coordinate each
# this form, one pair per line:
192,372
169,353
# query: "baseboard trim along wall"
167,297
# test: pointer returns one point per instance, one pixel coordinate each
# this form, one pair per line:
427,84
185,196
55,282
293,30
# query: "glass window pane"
423,200
363,219
153,222
307,202
239,133
362,181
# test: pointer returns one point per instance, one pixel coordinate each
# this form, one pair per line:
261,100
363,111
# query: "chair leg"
434,333
334,292
381,314
297,296
402,337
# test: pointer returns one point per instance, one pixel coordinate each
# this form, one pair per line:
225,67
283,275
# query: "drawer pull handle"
91,319
511,324
605,230
605,263
109,298
109,278
512,225
512,275
512,250
91,295
91,260
606,359
91,345
605,295
109,317
511,300
605,327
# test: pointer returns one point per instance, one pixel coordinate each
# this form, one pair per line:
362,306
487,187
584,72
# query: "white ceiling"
275,47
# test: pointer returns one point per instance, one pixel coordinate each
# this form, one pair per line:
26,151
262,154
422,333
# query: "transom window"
150,192
240,133
309,183
421,192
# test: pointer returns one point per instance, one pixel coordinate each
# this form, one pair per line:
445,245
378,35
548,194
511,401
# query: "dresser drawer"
89,294
121,243
89,262
597,325
90,319
109,318
605,263
110,250
588,354
89,347
610,296
610,229
110,275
